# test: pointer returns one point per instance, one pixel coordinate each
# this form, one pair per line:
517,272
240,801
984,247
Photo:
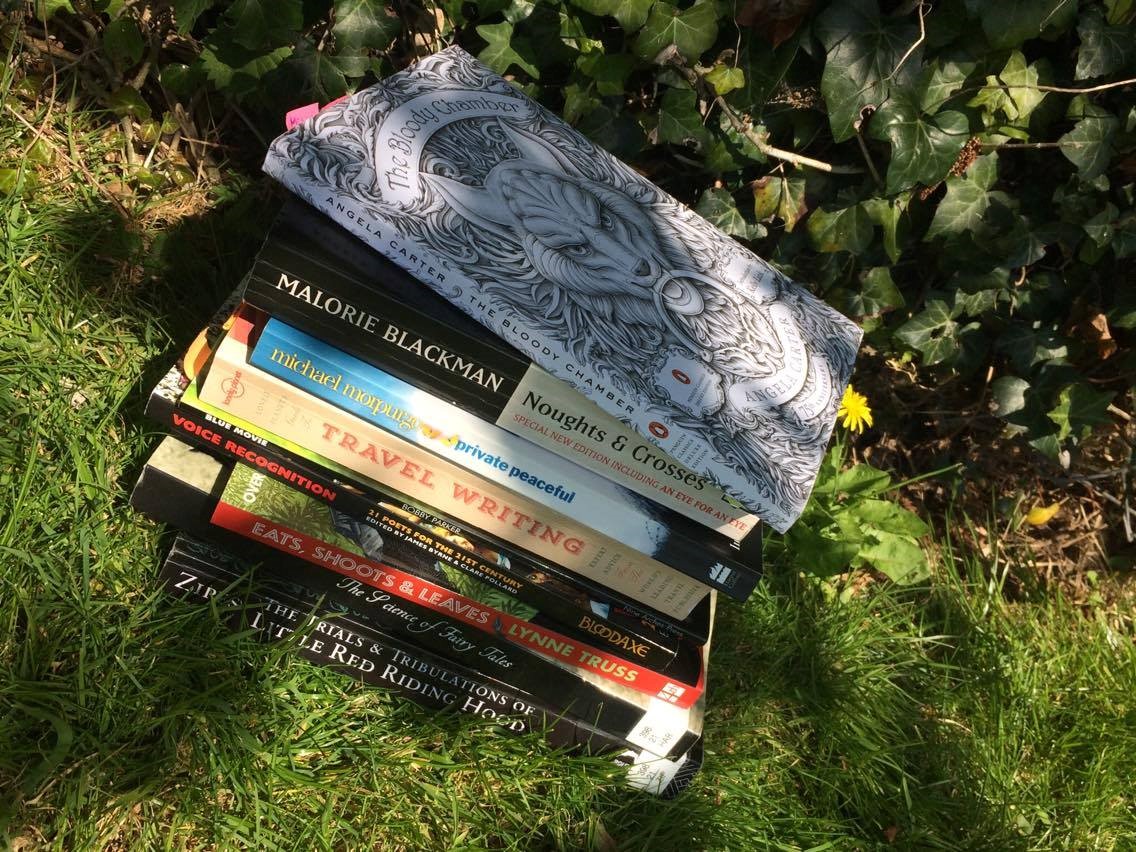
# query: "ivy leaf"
933,332
966,201
1021,82
123,42
1008,396
725,79
717,206
844,229
608,70
126,100
186,13
1088,146
1008,23
878,294
940,81
631,14
499,53
691,30
900,558
862,51
363,24
1103,49
923,148
779,196
887,212
1079,409
256,23
680,122
234,69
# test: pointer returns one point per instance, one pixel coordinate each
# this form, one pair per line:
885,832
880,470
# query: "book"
262,509
310,273
386,401
339,638
234,387
173,403
181,490
575,259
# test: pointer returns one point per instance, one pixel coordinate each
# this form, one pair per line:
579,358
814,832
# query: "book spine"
477,445
485,375
392,583
649,723
539,407
174,405
372,454
197,572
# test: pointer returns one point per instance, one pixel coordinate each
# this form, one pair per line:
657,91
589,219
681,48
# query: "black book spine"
168,499
374,326
195,571
273,289
225,440
276,608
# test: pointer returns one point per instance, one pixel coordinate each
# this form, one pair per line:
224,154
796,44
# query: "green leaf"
45,10
818,554
877,294
10,182
887,213
900,558
844,229
966,201
1104,49
186,13
923,148
1079,409
725,79
692,30
1008,23
1021,82
499,53
610,71
859,479
889,517
940,81
1120,11
631,14
126,101
932,332
863,50
260,23
234,69
779,196
578,102
363,24
717,206
1088,146
123,42
1008,396
680,122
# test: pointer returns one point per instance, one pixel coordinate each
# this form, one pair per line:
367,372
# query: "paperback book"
173,403
594,272
180,487
372,454
276,610
380,398
310,273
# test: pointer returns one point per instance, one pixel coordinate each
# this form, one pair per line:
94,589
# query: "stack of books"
495,431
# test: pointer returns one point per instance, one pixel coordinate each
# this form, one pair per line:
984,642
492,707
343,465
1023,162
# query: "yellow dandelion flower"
854,413
1039,515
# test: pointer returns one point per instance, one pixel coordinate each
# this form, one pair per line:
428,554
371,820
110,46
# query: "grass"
940,717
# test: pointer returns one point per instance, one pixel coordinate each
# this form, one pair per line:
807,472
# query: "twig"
78,164
671,56
865,114
1082,90
923,9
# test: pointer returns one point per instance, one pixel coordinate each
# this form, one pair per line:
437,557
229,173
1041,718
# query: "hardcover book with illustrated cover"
591,270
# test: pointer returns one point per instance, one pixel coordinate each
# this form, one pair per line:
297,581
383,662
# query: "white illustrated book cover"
598,275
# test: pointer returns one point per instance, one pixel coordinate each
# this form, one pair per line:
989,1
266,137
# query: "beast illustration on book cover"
594,272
